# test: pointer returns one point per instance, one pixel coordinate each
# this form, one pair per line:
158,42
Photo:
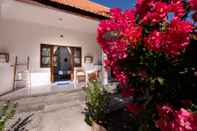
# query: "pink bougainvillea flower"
115,48
133,35
156,11
108,64
181,26
176,39
177,7
165,109
116,13
158,14
148,24
173,41
173,120
120,75
129,15
151,18
161,8
166,121
154,41
110,31
142,7
186,120
193,4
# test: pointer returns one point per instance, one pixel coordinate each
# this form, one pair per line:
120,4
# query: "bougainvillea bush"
151,51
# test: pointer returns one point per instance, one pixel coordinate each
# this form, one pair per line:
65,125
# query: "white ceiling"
14,10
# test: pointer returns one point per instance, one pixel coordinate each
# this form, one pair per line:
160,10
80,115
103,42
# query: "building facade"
33,28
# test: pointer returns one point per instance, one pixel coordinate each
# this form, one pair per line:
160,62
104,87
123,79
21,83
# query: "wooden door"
52,64
75,60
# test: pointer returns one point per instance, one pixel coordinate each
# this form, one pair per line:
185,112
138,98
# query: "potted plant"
151,51
96,104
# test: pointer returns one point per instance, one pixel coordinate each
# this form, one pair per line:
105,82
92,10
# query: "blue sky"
123,4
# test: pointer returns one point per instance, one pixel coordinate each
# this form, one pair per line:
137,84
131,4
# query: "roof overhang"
18,12
68,8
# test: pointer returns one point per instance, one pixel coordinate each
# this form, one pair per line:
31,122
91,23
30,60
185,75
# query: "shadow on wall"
6,75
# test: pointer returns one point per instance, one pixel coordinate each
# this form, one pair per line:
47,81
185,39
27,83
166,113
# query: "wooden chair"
80,75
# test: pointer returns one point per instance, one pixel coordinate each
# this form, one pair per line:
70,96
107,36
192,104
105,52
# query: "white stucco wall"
23,39
6,75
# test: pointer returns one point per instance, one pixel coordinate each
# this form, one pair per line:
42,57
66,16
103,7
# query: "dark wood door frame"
52,62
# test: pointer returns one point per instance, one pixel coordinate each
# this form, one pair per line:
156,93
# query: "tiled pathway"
55,112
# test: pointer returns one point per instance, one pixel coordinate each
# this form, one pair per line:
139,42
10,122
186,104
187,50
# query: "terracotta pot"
97,127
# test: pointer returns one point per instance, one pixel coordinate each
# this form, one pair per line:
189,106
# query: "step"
52,101
49,107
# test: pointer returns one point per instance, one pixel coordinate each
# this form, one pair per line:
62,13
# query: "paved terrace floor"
54,112
42,90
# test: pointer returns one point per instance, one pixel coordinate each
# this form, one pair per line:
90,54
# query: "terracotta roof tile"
85,5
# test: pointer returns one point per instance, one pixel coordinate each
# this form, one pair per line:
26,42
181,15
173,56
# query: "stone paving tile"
56,112
68,119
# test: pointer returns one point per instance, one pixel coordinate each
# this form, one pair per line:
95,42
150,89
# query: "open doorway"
63,63
61,60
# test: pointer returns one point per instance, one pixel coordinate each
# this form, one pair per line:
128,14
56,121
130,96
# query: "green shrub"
7,110
96,102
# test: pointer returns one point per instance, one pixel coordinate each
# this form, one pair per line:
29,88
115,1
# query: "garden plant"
151,50
96,103
7,110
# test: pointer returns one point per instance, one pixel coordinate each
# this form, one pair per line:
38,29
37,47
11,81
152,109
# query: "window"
45,54
76,56
4,57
